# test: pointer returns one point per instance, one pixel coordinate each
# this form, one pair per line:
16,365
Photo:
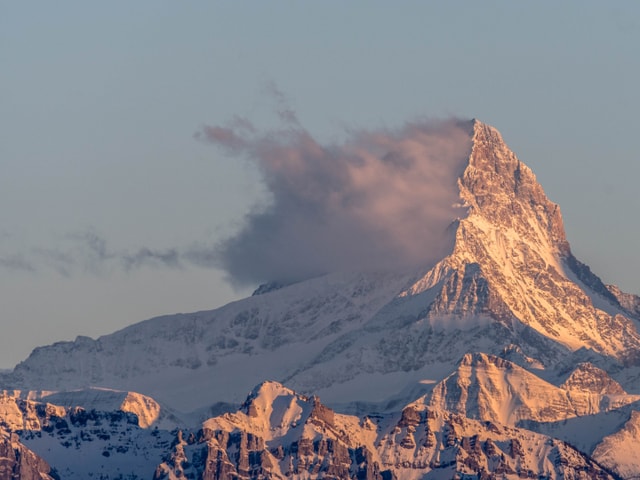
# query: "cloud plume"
379,200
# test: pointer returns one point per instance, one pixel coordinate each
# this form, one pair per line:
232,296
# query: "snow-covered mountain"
493,389
80,442
506,335
280,434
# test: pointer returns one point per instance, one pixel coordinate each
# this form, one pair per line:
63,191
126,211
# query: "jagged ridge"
279,434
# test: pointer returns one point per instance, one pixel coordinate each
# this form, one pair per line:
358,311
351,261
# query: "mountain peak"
511,263
589,378
266,391
503,190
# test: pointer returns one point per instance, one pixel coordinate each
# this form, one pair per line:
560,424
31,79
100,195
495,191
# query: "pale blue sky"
99,102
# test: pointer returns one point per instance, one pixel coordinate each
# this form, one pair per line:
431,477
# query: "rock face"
440,444
631,303
277,434
17,461
591,379
619,451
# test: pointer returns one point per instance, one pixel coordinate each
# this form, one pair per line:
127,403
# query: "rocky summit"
507,358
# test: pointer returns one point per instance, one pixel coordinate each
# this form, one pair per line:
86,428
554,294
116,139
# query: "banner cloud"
382,199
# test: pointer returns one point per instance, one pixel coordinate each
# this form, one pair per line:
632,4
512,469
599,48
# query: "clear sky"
102,180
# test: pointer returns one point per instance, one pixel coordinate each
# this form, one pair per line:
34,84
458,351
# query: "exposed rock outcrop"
17,461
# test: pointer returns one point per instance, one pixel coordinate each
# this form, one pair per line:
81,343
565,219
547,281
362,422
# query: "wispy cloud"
16,262
88,252
283,105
